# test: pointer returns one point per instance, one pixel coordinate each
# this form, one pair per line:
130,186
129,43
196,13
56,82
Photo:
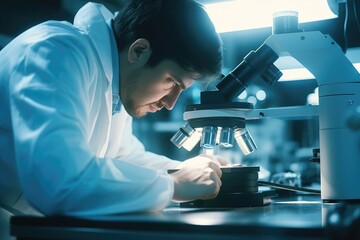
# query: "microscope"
219,118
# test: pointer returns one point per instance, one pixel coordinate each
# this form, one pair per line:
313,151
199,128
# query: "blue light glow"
239,15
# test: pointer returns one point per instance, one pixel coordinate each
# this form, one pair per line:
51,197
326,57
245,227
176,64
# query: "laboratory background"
283,146
287,147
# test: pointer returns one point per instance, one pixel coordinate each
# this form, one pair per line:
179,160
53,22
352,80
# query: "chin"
137,113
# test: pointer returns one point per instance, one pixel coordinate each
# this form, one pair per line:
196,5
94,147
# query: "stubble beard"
134,110
129,104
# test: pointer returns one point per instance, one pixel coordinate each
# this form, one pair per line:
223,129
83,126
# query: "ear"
139,50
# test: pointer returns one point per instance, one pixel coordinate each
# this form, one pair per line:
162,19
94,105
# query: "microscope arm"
339,95
317,52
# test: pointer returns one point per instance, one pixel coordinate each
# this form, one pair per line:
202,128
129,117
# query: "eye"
170,83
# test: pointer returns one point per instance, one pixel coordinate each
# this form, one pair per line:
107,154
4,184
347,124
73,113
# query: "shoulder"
60,32
58,41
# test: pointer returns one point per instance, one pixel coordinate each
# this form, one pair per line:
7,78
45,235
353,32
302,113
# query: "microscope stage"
239,189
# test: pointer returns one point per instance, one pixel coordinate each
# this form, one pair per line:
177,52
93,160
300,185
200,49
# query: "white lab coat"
60,145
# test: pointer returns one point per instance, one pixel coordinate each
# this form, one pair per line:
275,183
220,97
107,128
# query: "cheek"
150,94
148,87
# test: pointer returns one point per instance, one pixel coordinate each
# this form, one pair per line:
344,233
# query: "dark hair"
179,30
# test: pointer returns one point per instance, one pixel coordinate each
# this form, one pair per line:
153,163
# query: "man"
68,95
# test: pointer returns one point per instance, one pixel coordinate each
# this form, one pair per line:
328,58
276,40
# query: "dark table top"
296,217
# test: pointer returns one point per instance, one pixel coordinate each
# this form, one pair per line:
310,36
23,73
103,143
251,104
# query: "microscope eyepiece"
256,64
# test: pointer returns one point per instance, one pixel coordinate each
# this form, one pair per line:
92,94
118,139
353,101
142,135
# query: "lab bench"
295,217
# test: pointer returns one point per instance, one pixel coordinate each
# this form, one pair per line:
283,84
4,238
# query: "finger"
216,168
219,159
218,182
213,160
210,196
222,161
214,192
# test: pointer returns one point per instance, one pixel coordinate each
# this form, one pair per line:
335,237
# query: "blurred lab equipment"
288,178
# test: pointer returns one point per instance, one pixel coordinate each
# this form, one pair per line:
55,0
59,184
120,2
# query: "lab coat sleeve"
130,149
58,172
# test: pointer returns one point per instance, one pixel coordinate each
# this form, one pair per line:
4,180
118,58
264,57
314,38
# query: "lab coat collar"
116,103
95,20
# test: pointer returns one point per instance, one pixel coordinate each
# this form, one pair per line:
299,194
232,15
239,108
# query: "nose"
170,99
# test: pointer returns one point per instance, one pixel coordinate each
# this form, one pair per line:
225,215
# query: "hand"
197,178
219,159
